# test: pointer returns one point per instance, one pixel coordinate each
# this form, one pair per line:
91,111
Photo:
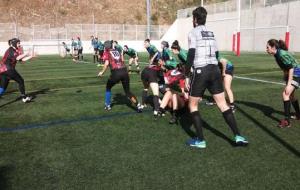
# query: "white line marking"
259,80
258,73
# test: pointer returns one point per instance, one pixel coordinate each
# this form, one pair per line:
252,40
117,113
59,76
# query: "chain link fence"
103,31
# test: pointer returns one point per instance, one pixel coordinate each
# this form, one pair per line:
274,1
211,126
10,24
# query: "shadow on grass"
120,99
268,112
185,121
4,176
32,94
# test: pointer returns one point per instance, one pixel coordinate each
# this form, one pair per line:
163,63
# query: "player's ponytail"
278,44
175,45
165,44
282,45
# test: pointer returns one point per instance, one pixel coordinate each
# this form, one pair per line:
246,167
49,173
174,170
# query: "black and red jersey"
154,67
10,58
114,58
174,77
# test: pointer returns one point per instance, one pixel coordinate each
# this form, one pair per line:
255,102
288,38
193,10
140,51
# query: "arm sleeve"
191,53
190,60
217,55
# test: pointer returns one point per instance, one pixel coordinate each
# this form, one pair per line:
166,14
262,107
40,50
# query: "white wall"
52,47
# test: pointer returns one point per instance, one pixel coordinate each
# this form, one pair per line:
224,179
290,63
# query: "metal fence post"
32,32
16,30
110,31
123,31
49,28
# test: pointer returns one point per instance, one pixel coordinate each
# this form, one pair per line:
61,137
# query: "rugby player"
227,69
8,67
114,60
133,57
291,73
94,44
206,75
150,76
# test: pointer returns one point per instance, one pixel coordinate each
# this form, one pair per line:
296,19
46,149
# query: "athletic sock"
156,103
294,103
287,109
144,96
197,121
107,97
230,120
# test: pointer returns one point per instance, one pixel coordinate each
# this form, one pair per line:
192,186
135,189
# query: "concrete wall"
262,19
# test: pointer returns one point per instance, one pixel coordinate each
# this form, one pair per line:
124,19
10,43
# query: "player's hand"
288,89
100,74
187,84
161,62
186,95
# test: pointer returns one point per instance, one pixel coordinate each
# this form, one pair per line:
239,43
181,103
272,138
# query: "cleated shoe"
173,120
107,107
240,141
140,108
284,124
26,99
161,112
295,116
233,108
196,143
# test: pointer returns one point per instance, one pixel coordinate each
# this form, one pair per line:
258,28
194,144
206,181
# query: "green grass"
133,151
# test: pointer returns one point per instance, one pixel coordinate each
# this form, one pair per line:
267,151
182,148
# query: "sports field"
65,139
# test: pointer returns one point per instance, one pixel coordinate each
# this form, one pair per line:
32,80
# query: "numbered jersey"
174,77
114,58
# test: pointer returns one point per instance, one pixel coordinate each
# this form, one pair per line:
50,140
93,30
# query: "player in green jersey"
291,72
133,57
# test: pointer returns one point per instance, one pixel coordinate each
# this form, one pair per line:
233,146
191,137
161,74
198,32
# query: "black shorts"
229,72
208,77
96,50
150,75
135,56
117,76
101,52
80,51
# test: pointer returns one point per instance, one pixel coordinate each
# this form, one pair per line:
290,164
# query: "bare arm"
20,57
152,59
104,68
290,76
224,63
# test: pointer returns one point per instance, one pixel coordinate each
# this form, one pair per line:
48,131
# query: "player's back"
115,59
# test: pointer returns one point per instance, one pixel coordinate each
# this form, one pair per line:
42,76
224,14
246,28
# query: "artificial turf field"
65,139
